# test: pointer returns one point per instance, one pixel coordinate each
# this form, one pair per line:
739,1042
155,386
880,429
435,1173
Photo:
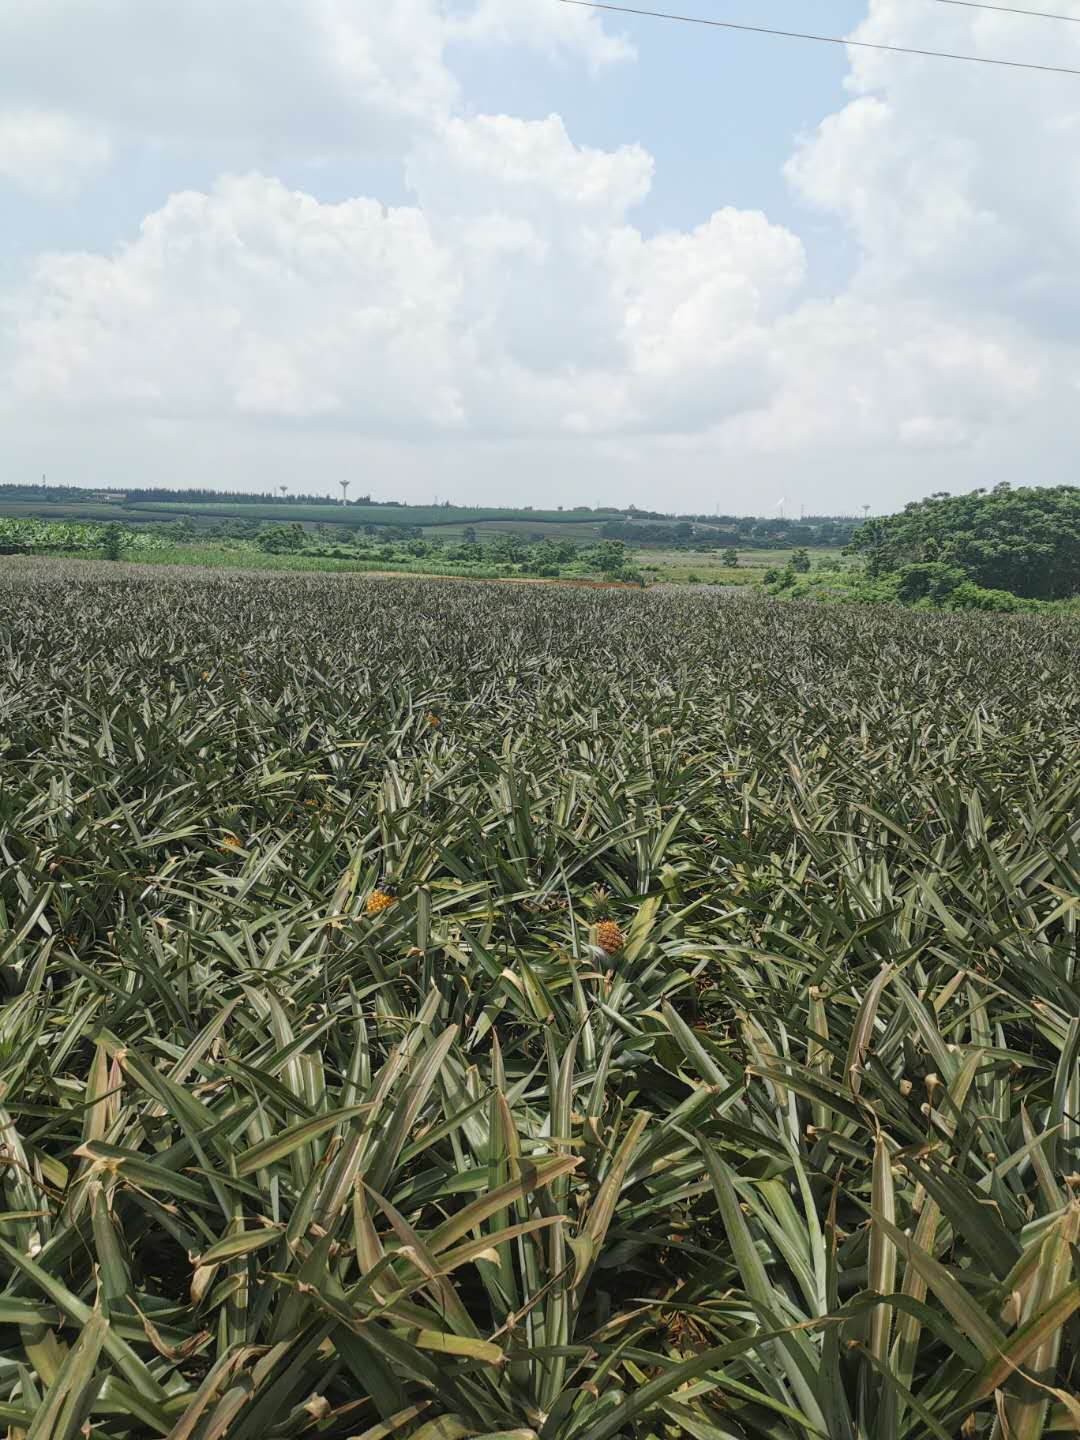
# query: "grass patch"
215,557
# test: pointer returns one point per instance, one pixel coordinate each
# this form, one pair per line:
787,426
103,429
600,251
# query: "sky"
522,252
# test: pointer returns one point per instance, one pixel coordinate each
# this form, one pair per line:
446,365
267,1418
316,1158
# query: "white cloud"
553,29
517,300
298,77
959,181
863,376
514,301
255,79
48,152
528,169
253,303
513,305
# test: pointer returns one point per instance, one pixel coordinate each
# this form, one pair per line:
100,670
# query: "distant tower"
865,511
284,490
344,486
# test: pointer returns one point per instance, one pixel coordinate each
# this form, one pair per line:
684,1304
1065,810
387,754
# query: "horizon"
274,496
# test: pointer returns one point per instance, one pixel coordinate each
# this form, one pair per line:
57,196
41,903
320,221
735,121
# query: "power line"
823,39
1011,10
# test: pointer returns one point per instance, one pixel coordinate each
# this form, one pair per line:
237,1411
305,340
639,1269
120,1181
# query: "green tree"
932,581
280,539
779,579
508,550
730,557
609,556
800,561
114,541
544,558
1024,540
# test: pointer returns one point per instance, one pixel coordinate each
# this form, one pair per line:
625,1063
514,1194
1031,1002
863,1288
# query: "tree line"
1024,541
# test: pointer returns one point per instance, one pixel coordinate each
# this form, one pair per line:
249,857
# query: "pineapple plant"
834,1145
606,932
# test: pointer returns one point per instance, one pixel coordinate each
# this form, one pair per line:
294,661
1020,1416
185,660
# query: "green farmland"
456,1011
442,519
585,532
331,513
709,567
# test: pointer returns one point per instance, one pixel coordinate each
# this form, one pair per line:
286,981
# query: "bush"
113,541
280,539
967,596
610,556
934,581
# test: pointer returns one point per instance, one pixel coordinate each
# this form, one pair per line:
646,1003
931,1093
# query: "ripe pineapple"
377,902
609,937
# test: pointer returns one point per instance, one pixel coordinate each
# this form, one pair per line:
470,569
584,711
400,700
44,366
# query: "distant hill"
586,524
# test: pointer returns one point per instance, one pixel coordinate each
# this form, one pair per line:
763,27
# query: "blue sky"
509,249
719,111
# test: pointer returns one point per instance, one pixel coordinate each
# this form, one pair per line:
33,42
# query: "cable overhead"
825,39
1012,10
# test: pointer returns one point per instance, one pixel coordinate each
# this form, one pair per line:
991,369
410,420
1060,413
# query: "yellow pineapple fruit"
609,937
377,902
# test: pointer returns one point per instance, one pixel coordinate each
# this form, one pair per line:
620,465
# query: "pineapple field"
439,1011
